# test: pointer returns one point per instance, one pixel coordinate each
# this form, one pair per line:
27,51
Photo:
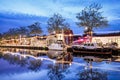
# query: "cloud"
12,20
68,8
46,8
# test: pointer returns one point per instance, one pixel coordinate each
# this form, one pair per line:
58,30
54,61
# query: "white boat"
88,46
91,45
56,46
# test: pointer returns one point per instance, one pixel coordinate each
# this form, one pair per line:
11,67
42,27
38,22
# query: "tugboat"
91,48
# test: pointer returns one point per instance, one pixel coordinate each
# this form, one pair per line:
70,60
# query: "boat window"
85,44
88,44
92,44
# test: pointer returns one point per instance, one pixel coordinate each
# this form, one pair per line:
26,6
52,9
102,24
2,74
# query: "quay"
26,47
69,49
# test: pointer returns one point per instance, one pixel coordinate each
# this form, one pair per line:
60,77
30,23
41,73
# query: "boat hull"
55,48
92,51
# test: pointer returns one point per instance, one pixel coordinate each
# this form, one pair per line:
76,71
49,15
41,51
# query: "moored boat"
58,45
91,48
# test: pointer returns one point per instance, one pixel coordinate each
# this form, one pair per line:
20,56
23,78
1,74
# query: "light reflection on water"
24,64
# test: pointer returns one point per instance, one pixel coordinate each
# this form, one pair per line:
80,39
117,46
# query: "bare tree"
35,28
22,31
91,17
57,23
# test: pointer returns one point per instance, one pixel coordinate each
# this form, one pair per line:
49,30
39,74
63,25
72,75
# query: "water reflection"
89,73
22,61
26,58
54,54
58,70
62,65
35,64
55,73
99,58
63,62
92,74
60,56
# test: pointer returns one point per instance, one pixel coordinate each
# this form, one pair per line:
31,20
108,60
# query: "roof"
107,34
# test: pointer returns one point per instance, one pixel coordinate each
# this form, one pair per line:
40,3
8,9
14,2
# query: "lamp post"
70,35
91,35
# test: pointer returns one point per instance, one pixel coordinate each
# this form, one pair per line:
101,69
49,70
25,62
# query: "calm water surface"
22,64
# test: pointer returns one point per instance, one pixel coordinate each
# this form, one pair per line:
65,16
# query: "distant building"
107,38
65,36
98,38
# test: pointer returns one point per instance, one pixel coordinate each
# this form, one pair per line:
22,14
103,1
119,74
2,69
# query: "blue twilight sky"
16,13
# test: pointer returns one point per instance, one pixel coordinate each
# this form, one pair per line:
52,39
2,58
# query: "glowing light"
70,64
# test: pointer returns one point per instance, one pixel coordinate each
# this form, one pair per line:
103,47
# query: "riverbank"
26,47
68,49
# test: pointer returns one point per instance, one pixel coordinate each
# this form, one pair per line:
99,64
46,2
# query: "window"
92,44
88,44
85,44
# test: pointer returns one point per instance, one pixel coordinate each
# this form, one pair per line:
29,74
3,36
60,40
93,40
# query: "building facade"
107,39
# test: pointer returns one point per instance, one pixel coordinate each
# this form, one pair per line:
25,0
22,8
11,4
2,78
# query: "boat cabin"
91,45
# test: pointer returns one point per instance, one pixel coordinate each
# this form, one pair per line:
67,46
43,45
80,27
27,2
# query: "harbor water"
26,64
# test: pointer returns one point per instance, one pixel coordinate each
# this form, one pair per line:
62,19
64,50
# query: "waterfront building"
65,36
104,39
107,38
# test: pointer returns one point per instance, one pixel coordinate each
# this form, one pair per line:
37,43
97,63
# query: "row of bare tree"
90,17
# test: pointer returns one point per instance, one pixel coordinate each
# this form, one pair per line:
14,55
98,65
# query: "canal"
25,64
